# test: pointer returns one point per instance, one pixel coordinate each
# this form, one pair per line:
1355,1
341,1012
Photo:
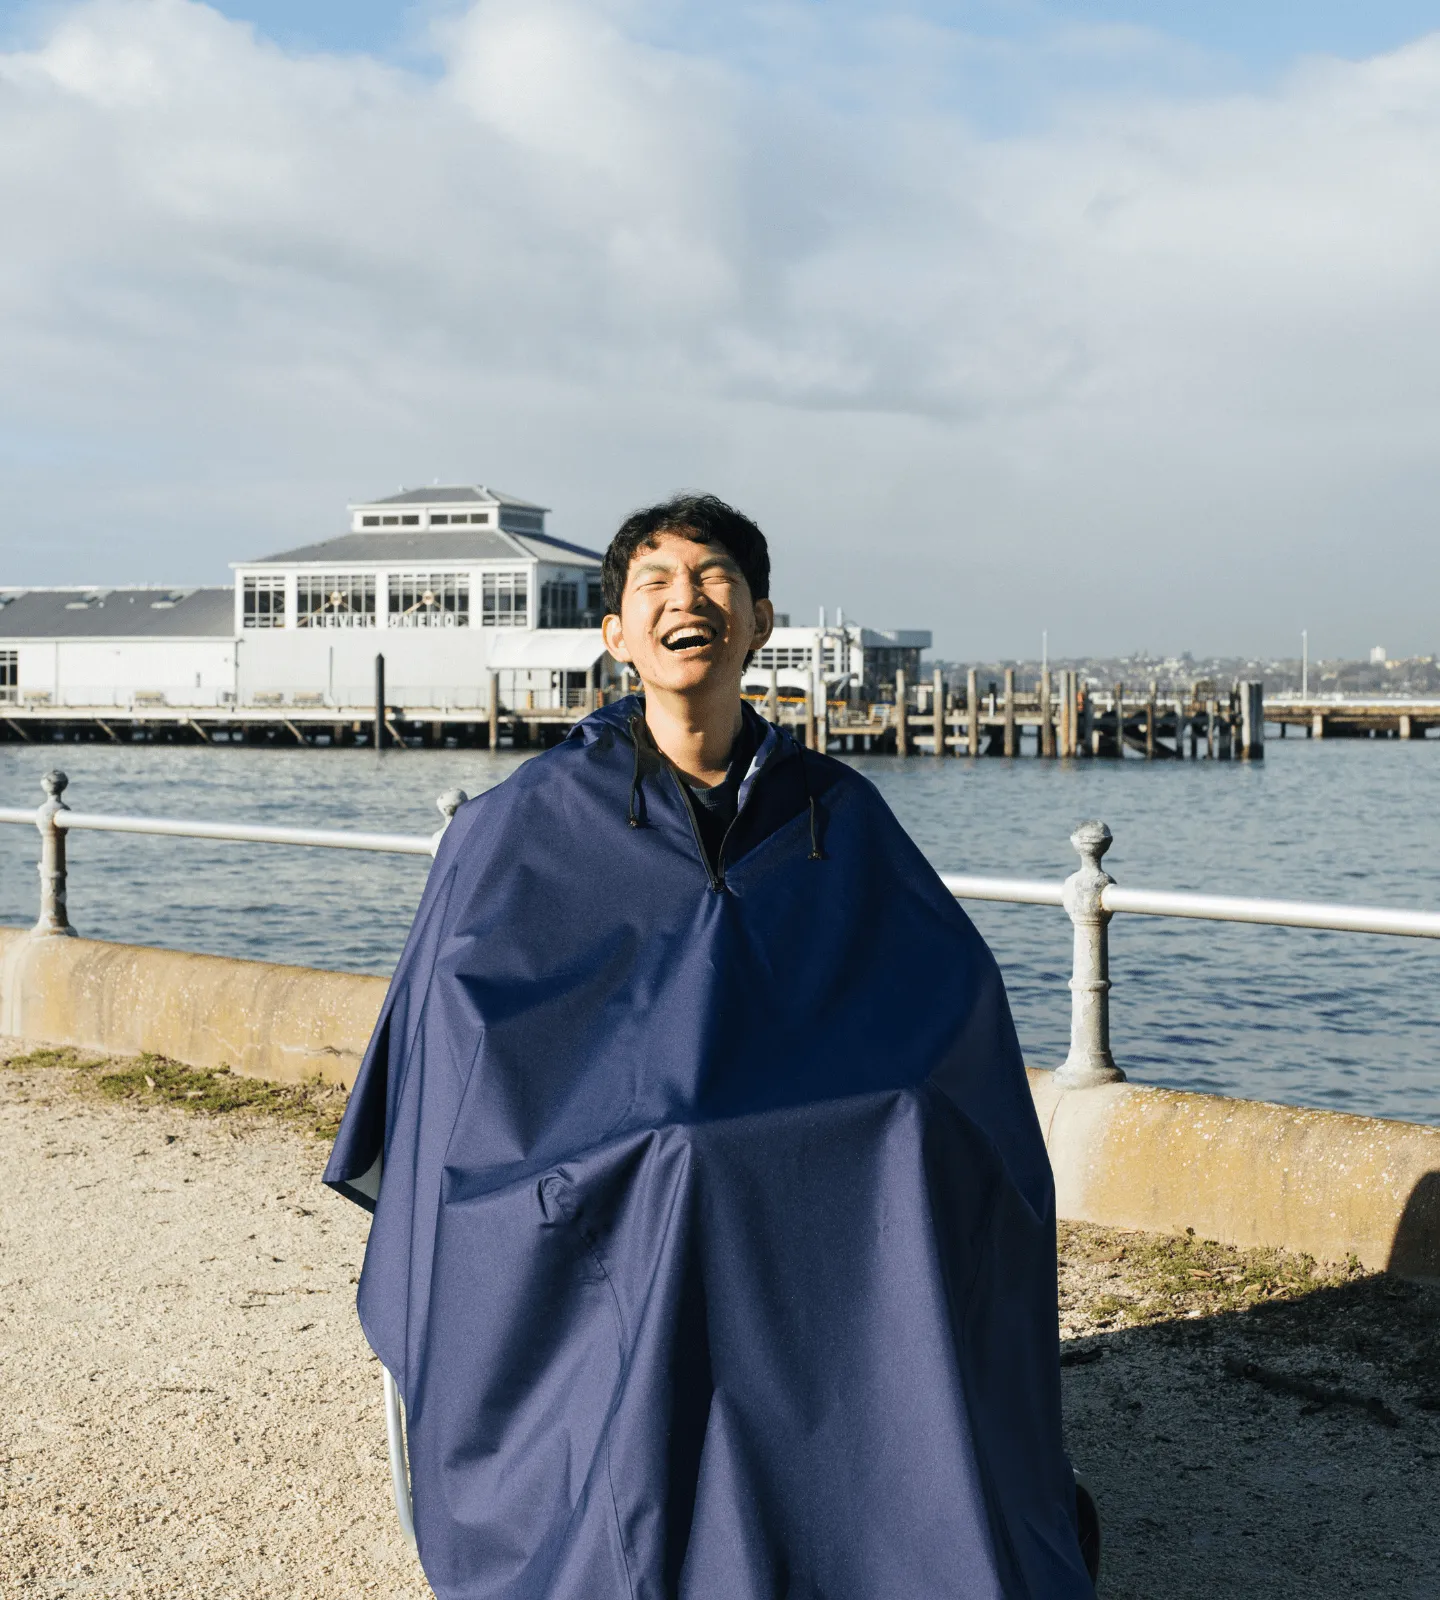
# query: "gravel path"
190,1409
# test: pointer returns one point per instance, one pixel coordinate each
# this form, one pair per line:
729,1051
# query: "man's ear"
764,623
614,637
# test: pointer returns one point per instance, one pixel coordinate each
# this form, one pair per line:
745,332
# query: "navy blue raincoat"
714,1253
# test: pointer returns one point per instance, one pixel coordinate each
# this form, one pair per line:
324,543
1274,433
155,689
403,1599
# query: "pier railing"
1090,897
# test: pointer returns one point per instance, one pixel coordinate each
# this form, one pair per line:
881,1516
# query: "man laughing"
714,1250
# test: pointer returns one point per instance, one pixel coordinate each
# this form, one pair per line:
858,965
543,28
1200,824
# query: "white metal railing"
1090,897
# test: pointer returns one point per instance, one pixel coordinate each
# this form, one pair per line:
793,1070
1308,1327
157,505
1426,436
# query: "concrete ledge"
290,1024
1124,1155
1246,1173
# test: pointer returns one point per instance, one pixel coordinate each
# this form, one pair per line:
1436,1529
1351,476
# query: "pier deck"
1160,728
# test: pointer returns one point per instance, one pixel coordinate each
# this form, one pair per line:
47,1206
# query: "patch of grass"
54,1056
1161,1278
314,1108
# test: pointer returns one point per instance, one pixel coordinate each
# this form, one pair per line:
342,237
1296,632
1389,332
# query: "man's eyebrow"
662,563
656,563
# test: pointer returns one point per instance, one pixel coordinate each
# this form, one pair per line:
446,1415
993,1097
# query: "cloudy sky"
1119,320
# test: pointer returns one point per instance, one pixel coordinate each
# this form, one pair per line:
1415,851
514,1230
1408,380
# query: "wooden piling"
902,724
937,705
1009,745
1119,721
1088,735
1252,721
1150,724
972,713
772,698
494,710
810,717
1047,727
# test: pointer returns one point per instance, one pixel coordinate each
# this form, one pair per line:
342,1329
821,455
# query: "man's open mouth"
689,636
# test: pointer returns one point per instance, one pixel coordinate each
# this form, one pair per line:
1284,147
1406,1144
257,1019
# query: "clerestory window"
263,602
335,600
429,600
560,603
504,600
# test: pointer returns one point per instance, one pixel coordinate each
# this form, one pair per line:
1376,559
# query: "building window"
264,602
9,676
560,603
439,519
594,601
369,522
429,600
792,657
503,599
410,522
335,600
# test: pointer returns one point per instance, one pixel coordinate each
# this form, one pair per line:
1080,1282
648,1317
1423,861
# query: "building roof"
117,613
421,547
453,494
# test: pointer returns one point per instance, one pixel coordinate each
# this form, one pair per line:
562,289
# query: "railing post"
447,805
53,918
1089,1061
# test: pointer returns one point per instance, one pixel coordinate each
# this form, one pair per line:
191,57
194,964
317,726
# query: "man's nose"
688,593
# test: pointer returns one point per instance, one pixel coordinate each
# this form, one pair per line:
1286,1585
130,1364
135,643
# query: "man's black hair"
702,517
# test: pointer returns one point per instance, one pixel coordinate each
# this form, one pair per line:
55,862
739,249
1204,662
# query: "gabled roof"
422,547
453,494
118,613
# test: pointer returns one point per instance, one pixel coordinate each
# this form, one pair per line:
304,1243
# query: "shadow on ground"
1287,1449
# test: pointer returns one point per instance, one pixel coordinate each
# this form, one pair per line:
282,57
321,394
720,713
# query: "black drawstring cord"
636,775
815,854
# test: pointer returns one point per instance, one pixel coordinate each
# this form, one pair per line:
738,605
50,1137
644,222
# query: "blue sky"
1258,37
1117,320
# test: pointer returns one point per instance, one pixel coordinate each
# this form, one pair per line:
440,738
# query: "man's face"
687,620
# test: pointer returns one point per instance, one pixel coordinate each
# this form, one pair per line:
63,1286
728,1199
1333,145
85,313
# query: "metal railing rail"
407,844
1207,907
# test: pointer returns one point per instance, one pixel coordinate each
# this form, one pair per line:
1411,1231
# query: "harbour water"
1345,1021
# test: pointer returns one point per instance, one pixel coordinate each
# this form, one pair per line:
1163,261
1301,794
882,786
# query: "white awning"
556,649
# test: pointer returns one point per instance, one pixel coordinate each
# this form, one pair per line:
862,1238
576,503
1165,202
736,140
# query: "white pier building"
450,585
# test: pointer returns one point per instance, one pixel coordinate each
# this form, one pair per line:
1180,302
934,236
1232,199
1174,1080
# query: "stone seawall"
1124,1155
290,1024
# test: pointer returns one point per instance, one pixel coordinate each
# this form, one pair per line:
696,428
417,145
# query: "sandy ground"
190,1410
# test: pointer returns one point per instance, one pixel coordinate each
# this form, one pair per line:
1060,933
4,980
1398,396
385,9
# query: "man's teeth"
687,639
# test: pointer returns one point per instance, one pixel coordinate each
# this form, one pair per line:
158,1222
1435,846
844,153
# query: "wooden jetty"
1354,719
1060,717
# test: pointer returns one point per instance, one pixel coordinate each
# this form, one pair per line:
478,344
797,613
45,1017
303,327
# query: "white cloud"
1158,372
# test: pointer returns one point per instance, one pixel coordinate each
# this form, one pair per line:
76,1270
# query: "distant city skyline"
1110,319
